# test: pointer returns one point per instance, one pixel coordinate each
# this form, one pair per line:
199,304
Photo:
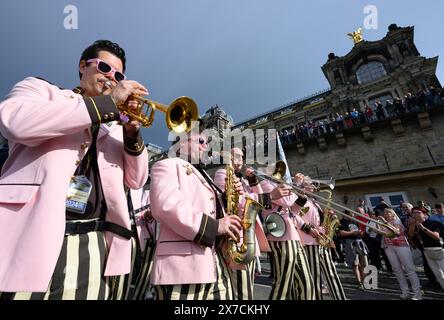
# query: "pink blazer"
179,197
48,131
311,217
261,239
287,203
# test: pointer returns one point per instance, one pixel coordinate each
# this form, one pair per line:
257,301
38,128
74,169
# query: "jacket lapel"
191,169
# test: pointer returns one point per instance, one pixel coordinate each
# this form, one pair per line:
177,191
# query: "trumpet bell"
180,115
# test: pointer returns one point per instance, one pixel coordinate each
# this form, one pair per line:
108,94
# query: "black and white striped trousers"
242,282
142,282
292,278
219,290
78,274
320,260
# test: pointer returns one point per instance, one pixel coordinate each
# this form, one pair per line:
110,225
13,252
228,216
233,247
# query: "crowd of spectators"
422,231
424,99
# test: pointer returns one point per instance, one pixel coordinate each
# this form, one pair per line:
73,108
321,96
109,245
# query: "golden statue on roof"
356,36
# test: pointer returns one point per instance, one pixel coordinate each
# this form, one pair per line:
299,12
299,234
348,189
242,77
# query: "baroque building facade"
399,156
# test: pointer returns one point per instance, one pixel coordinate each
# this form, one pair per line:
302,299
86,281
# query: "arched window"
370,72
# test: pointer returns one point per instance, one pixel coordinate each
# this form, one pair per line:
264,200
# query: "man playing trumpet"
64,225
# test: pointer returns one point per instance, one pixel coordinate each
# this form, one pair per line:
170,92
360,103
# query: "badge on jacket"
78,194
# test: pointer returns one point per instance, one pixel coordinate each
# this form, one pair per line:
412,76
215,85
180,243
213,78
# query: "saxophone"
241,253
330,224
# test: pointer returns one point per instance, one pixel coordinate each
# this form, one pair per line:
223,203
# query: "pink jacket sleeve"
285,202
219,178
35,111
136,169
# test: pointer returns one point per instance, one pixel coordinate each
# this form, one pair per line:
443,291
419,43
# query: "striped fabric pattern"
331,276
292,278
78,274
220,290
142,284
121,285
242,282
320,260
303,280
315,268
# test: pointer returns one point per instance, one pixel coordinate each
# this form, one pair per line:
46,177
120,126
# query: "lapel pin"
189,169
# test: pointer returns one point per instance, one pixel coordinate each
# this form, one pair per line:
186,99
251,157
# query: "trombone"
317,183
276,177
179,114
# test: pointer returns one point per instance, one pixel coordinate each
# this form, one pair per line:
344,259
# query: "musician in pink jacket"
292,277
188,264
64,224
319,257
242,276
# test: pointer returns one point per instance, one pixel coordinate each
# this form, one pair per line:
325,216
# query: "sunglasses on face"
105,68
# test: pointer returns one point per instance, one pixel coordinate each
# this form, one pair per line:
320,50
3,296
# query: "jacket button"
213,212
212,198
83,146
105,117
111,114
77,162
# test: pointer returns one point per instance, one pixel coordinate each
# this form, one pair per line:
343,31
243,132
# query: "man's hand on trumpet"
126,88
121,95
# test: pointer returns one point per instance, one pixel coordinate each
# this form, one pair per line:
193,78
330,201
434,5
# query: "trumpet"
280,169
179,114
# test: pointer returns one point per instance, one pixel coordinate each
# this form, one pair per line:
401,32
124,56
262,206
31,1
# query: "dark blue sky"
247,56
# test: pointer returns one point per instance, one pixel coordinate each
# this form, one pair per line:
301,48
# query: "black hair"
93,50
